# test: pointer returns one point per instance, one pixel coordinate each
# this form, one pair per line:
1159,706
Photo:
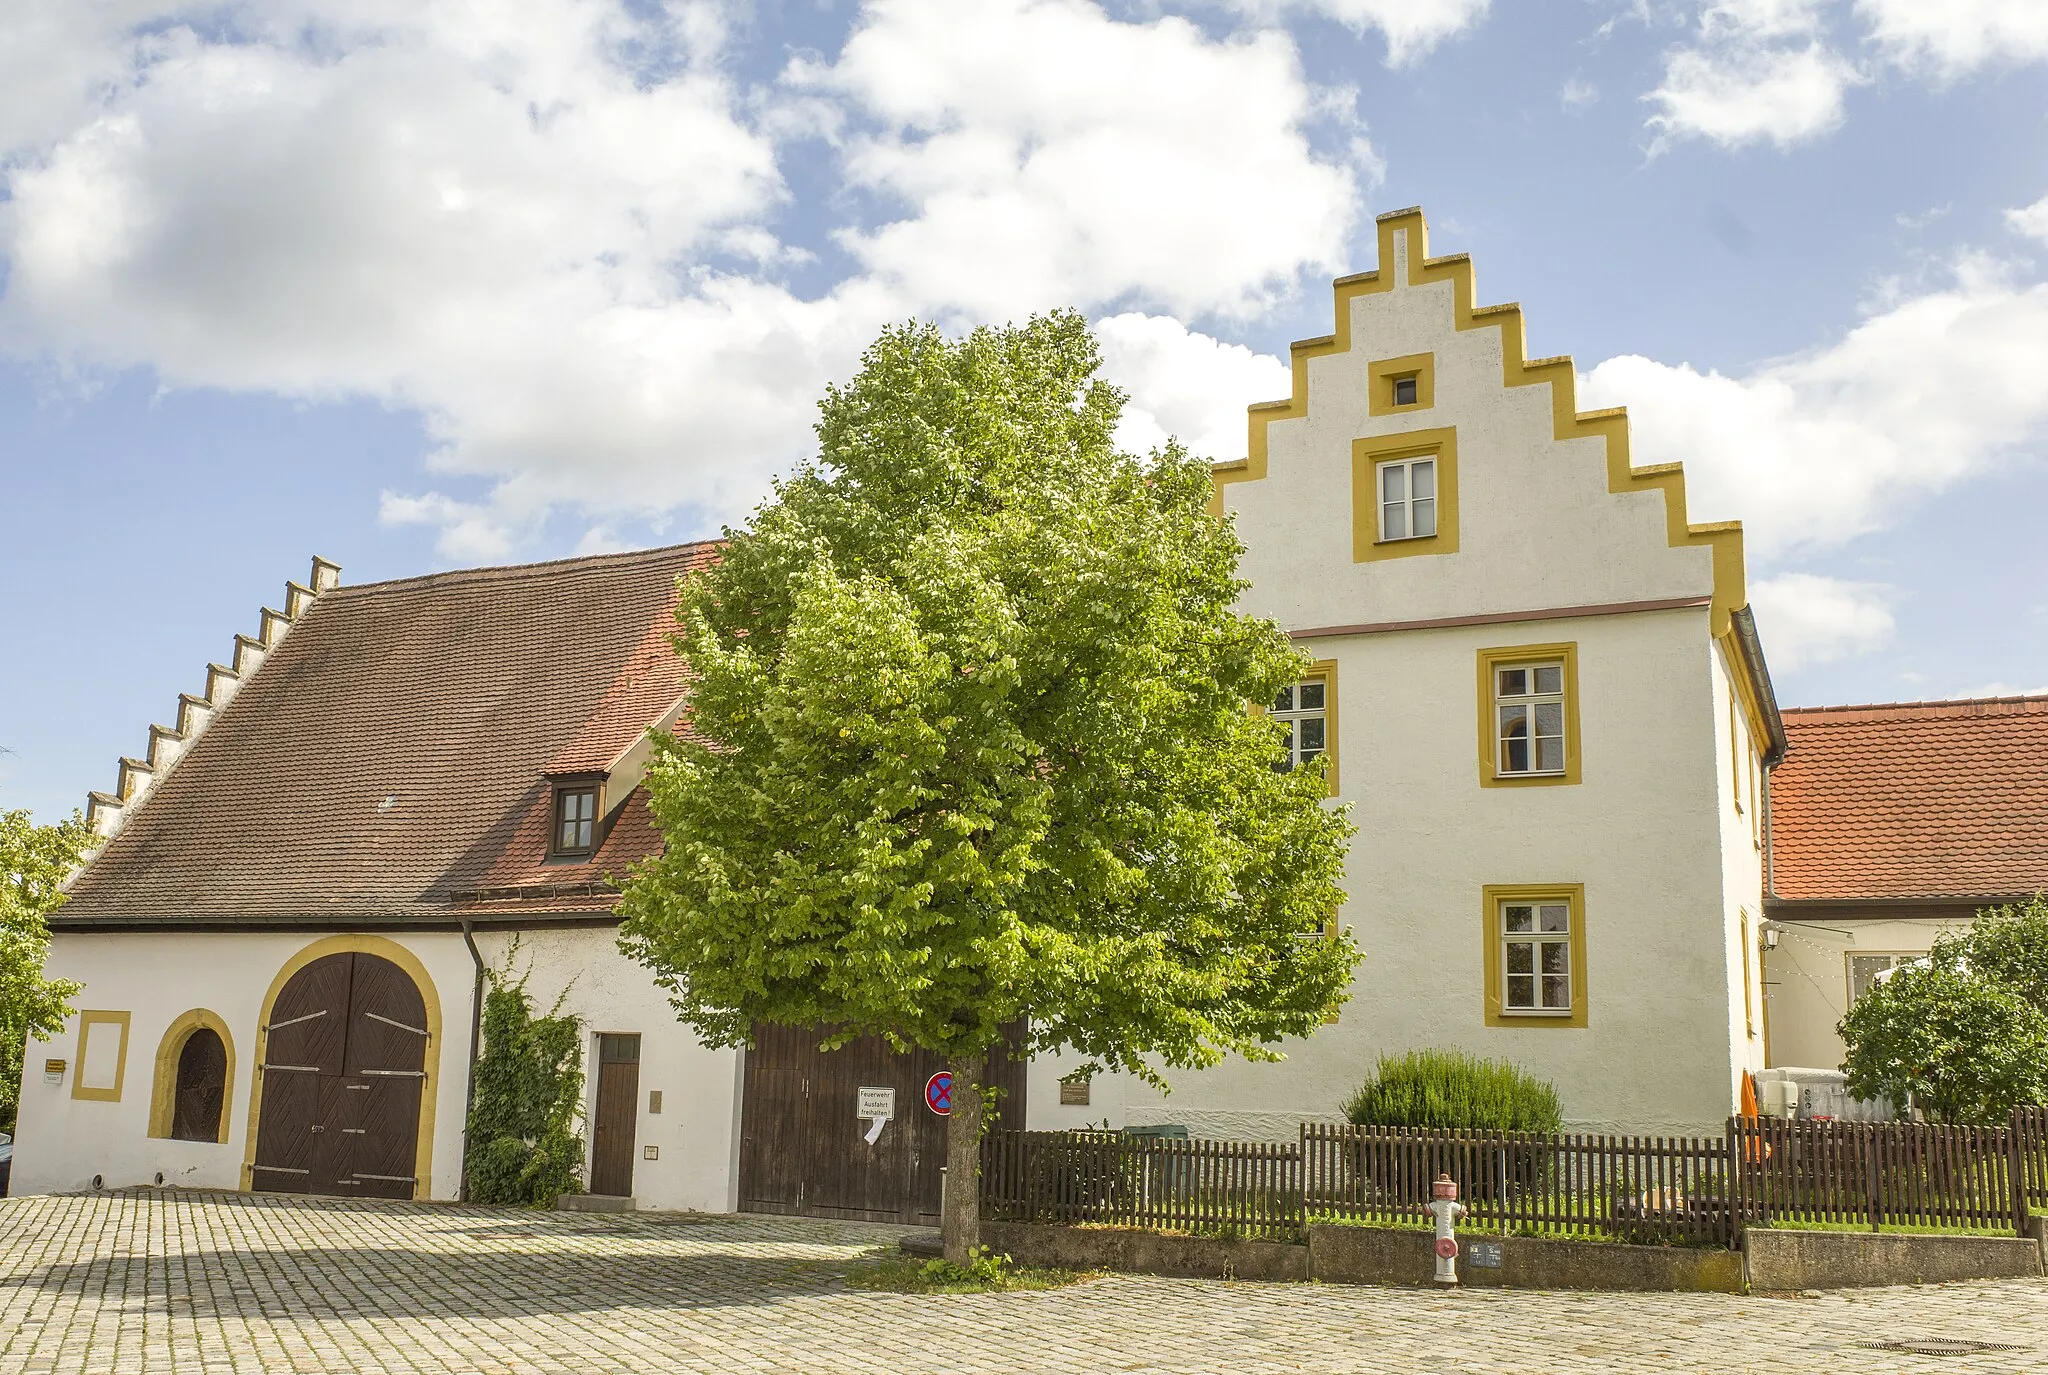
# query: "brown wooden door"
802,1144
344,1066
618,1115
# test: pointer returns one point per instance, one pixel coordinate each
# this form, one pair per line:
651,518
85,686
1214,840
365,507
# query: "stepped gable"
392,752
1912,800
107,813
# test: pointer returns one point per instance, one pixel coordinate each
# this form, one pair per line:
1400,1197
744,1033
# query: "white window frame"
1849,958
1405,505
1287,707
1540,939
1529,702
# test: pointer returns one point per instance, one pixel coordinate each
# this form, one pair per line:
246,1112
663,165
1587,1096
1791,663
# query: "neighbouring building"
1537,683
1889,825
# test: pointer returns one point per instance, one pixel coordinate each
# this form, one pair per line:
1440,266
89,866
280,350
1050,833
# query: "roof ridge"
1942,706
107,813
519,570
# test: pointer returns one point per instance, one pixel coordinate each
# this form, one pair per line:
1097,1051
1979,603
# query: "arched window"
202,1086
195,1079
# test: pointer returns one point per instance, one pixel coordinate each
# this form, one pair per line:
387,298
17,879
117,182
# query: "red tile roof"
389,755
1912,800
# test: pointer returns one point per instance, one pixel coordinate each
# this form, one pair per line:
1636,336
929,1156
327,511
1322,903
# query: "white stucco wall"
1808,979
62,1142
696,1130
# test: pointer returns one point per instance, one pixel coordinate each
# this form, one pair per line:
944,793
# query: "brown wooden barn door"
344,1068
802,1143
378,1122
303,1044
618,1115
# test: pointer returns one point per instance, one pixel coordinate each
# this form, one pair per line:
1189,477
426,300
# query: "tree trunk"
960,1209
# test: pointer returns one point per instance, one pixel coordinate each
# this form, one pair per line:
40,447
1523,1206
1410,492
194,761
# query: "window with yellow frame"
1535,955
1529,715
1404,495
1308,709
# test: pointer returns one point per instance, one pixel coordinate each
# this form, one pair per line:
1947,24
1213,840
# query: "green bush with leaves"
1946,1038
34,860
1448,1089
524,1146
2008,945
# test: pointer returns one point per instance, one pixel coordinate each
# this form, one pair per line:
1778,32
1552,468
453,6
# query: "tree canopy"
34,860
969,740
1950,1039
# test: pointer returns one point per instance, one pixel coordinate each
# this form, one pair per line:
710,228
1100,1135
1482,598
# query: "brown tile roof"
390,753
1912,800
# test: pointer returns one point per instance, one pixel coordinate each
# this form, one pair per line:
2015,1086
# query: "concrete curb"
1786,1259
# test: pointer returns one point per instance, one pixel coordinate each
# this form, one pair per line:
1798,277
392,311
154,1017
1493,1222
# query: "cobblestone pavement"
155,1281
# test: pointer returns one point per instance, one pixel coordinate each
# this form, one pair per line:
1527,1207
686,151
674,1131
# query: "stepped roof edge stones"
1722,538
107,813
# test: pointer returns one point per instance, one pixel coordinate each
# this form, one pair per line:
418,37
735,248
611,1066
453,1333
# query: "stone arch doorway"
342,1080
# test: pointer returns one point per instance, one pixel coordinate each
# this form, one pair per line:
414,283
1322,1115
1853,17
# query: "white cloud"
1577,94
1813,450
1805,618
1046,153
2031,220
1953,37
1185,384
1411,27
1756,71
551,226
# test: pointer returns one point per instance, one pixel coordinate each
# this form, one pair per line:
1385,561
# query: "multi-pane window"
575,820
1408,498
1536,956
1304,709
1529,712
1864,969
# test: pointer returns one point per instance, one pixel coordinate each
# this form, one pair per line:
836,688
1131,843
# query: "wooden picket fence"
1666,1190
1225,1188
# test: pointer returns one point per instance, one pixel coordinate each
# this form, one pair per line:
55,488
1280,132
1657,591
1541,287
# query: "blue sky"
414,284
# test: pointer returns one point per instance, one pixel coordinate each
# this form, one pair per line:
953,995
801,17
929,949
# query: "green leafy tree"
34,860
2008,944
969,743
523,1143
1960,1046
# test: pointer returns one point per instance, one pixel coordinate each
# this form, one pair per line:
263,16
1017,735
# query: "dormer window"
575,829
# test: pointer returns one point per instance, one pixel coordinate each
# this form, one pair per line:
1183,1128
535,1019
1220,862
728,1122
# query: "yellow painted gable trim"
1722,538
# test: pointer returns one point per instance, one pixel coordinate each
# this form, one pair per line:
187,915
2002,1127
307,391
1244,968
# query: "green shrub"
1448,1089
523,1142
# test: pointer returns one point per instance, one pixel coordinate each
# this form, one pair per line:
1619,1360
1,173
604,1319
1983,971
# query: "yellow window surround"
1748,992
1382,375
163,1101
1507,656
87,1021
1498,896
1366,457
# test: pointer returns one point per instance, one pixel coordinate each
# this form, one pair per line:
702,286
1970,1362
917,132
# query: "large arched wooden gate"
343,1067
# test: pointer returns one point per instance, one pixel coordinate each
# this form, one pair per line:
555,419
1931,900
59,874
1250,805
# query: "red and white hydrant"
1443,1196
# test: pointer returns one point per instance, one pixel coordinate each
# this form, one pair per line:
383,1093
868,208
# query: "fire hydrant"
1444,1203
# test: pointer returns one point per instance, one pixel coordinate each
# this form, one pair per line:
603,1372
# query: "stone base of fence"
1372,1255
1775,1259
1385,1255
1145,1253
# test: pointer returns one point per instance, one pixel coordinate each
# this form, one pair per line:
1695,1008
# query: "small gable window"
575,831
1405,391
